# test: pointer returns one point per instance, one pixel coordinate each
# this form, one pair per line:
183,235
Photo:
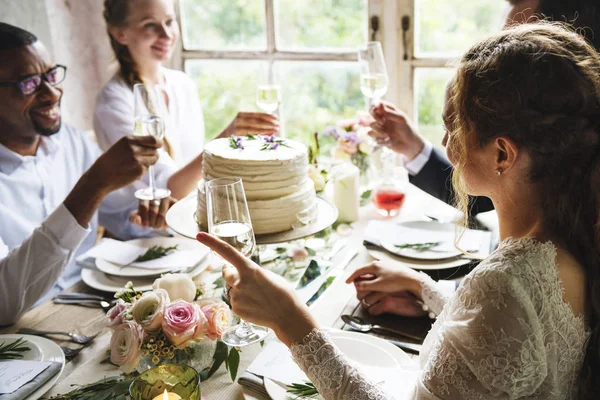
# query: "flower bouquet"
171,324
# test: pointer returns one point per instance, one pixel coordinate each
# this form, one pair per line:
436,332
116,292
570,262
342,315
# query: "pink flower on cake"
298,253
125,346
219,317
183,323
148,309
115,315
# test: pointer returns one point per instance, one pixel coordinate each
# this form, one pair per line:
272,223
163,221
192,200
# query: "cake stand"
181,219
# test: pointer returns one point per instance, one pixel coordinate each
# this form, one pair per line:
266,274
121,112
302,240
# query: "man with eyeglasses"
53,179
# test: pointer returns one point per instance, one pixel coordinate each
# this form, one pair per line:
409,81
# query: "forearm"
297,326
184,181
31,269
85,198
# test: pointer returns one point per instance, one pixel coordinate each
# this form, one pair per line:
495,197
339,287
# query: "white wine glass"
150,111
229,220
374,79
268,97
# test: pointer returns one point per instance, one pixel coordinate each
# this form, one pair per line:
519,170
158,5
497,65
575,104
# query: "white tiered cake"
274,173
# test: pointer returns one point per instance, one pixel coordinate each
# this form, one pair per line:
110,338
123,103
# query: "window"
309,47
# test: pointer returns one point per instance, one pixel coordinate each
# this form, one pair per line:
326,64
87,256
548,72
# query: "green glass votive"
178,379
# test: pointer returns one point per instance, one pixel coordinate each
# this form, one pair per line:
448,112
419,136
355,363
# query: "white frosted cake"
274,173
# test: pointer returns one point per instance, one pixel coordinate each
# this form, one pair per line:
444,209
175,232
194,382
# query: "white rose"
317,177
148,309
178,286
339,153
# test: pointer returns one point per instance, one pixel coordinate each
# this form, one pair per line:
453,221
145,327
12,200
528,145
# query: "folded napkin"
398,234
34,384
253,385
124,254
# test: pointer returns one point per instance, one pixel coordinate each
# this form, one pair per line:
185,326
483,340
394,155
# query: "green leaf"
251,137
302,389
310,251
234,363
14,350
220,357
262,343
280,250
115,387
418,246
219,283
312,271
365,197
155,252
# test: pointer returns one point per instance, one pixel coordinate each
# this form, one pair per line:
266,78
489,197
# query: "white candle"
346,193
167,396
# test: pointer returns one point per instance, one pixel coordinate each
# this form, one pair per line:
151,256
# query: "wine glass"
150,111
389,195
268,97
229,220
374,79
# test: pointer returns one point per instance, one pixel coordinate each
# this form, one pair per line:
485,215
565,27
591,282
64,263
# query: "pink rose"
115,314
298,253
348,146
125,346
183,323
218,315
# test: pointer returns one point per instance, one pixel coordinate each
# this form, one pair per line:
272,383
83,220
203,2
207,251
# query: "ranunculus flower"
298,253
183,323
179,286
125,346
218,315
148,309
115,314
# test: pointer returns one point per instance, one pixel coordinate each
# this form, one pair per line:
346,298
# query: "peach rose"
125,346
219,318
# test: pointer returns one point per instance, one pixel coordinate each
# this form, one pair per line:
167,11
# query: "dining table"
340,298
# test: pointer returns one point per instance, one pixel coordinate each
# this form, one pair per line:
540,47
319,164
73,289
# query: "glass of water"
229,220
149,113
374,79
268,97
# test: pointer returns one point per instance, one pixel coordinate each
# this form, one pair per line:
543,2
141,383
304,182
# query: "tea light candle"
167,396
346,193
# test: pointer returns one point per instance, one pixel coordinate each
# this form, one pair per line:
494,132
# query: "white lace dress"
505,334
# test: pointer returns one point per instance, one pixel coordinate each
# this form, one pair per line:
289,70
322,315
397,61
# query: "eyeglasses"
32,83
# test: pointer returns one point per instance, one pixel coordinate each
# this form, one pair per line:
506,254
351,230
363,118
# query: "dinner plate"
134,272
369,352
109,283
181,219
383,255
42,349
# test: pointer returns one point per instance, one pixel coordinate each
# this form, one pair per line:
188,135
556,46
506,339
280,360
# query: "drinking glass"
149,113
268,97
374,79
229,220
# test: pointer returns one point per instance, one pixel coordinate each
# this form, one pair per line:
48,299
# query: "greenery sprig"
114,388
155,252
302,389
420,247
15,350
235,142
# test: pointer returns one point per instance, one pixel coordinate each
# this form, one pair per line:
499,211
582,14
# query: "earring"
499,171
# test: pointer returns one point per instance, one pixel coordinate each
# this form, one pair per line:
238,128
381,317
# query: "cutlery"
70,352
358,324
75,337
82,296
408,347
105,305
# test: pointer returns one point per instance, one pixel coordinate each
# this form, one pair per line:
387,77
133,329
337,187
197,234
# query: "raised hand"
152,214
392,128
260,296
251,123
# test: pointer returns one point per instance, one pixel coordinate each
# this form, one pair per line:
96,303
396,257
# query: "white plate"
132,272
109,283
364,350
383,255
42,349
180,218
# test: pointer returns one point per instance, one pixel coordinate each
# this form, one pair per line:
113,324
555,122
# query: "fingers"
147,141
230,275
143,210
165,204
258,116
397,305
371,268
229,254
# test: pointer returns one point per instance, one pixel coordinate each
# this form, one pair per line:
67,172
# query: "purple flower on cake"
331,131
184,323
268,139
125,345
235,142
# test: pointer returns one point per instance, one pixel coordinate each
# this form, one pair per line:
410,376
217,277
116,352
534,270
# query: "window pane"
450,27
317,94
321,24
225,87
430,85
223,25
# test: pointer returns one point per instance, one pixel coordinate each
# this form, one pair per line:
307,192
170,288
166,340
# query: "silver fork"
75,337
71,352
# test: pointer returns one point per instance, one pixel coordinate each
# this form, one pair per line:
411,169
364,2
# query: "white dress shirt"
39,237
184,125
415,165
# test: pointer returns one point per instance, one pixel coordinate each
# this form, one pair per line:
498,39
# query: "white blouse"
506,334
113,119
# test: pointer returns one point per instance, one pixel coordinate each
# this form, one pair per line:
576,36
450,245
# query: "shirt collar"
10,161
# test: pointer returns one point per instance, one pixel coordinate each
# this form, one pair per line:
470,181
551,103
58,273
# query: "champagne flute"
229,220
374,79
268,97
150,111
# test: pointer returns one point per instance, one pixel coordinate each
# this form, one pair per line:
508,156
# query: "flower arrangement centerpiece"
171,324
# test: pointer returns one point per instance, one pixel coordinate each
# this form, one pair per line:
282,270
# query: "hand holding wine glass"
229,220
268,97
150,111
374,79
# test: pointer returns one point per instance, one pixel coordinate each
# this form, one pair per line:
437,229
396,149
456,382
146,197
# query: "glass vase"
197,355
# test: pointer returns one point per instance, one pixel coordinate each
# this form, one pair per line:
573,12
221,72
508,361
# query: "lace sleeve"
334,376
488,343
433,296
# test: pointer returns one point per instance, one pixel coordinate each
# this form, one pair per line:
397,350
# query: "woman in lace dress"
522,117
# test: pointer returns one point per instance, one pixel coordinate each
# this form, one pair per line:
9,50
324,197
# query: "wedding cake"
274,174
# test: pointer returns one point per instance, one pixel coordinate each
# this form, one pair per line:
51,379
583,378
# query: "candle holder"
176,379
